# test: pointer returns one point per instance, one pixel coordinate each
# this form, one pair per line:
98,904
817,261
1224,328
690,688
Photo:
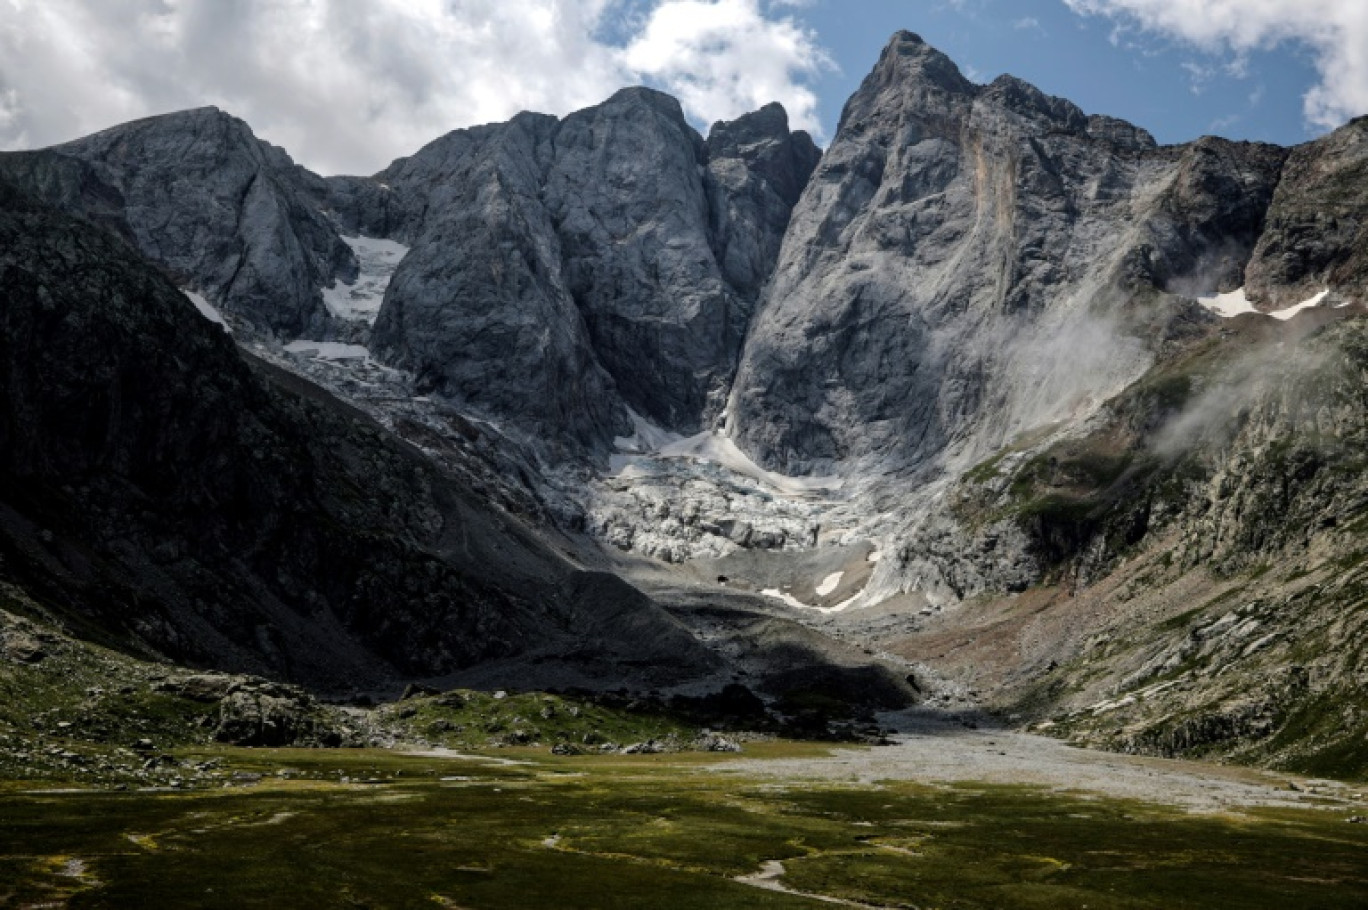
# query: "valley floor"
946,817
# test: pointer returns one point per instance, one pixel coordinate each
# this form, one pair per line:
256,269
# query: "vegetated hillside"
162,492
1204,587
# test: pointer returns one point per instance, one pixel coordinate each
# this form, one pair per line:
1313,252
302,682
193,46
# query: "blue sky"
1164,84
348,85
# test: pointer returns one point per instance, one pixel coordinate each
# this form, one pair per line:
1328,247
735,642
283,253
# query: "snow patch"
715,447
1304,305
377,258
1236,303
795,602
206,309
786,598
328,350
829,584
1228,305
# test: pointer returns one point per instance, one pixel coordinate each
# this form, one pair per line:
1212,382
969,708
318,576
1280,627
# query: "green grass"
645,831
471,719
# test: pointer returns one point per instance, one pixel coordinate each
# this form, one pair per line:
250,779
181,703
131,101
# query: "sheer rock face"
757,171
970,262
626,191
563,269
479,308
222,212
1317,234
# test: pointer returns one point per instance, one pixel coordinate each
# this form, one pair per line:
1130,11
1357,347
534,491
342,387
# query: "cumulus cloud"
347,85
1336,30
725,58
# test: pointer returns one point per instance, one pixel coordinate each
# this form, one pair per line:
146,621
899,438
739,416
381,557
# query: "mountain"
221,212
563,271
971,262
168,493
994,402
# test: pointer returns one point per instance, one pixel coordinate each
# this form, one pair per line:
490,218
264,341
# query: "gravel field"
934,750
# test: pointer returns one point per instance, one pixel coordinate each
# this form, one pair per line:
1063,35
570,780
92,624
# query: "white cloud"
1336,30
347,85
724,58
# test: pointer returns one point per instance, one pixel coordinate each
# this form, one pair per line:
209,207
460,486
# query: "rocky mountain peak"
768,124
763,141
956,238
220,211
911,81
908,58
636,248
640,96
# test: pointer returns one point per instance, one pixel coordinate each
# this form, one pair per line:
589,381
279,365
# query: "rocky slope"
1201,577
164,493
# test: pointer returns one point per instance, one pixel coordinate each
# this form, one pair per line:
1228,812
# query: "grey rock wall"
1317,235
971,262
219,210
563,271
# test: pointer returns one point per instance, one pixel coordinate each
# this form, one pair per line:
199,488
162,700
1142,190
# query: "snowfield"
1236,303
207,309
715,447
378,258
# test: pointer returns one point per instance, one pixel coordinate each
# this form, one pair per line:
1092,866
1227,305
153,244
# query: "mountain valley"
992,413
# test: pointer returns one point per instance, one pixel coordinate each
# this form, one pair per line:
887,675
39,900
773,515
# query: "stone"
715,742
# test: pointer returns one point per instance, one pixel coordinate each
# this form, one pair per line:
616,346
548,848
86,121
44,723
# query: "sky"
346,86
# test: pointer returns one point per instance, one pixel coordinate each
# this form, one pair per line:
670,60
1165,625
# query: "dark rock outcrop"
479,309
757,170
222,212
1317,234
